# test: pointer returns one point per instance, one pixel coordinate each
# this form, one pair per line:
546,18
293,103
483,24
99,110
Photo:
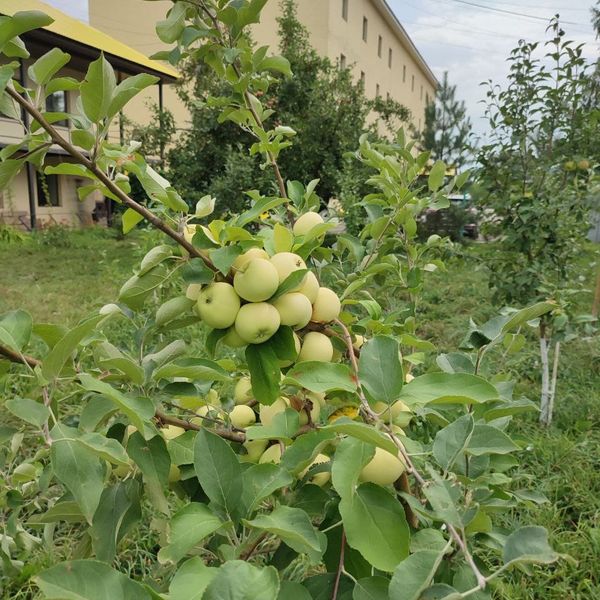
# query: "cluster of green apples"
248,309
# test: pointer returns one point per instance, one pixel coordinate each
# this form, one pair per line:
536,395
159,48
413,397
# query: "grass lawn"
64,281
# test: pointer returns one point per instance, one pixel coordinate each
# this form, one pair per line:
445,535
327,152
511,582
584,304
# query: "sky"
466,39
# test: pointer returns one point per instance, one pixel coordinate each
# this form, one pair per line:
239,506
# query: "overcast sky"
469,42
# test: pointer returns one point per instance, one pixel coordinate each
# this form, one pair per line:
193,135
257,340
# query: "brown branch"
17,357
232,436
338,574
105,180
403,485
247,554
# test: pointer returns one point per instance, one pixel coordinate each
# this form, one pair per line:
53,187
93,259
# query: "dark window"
421,97
426,97
345,10
387,95
362,78
412,84
377,91
390,58
379,46
365,29
342,61
404,74
57,103
47,190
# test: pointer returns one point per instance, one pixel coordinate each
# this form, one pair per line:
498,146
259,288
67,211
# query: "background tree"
535,173
447,126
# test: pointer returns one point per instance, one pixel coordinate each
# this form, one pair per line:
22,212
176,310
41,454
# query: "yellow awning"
73,29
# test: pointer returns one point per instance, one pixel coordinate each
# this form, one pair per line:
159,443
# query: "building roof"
73,30
392,19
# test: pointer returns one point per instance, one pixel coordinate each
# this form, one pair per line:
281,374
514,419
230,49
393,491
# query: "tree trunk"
596,304
553,383
545,396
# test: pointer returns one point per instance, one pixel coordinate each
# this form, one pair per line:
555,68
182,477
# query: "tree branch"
232,436
17,357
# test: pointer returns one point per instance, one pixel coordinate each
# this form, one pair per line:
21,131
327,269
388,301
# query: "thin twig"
17,357
338,575
232,436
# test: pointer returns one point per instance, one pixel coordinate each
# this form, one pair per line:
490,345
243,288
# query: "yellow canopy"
73,29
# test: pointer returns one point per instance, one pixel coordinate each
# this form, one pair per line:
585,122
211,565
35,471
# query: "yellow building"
35,200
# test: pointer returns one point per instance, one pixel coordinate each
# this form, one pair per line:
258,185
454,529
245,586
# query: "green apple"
310,287
257,322
257,281
315,412
326,307
267,412
123,470
399,413
322,478
294,309
307,222
254,450
190,402
170,432
408,377
193,291
286,263
174,474
317,397
383,469
218,305
359,340
298,345
232,339
271,455
242,393
242,416
316,346
243,259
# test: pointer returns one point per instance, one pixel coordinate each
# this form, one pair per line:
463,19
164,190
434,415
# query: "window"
47,190
390,58
421,96
377,91
362,78
404,74
345,10
427,98
57,102
365,29
379,46
412,84
387,96
342,61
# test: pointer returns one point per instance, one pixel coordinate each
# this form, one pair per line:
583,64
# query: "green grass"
64,281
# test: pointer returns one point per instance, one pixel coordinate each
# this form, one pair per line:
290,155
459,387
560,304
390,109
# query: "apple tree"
268,413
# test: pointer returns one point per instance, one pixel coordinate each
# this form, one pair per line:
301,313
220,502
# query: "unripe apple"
123,470
174,474
583,165
326,307
190,402
359,340
399,413
218,305
570,165
242,416
193,291
254,450
307,222
271,455
316,397
298,346
294,309
267,412
316,346
170,432
408,377
257,281
319,479
232,339
257,322
310,287
315,412
242,393
243,259
383,469
286,263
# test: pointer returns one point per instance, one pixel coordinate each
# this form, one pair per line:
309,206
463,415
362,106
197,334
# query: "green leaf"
218,470
9,168
528,545
283,238
77,468
375,510
151,456
15,329
191,580
321,587
28,410
455,362
260,206
88,580
371,588
278,64
427,539
350,457
172,27
294,528
291,590
22,22
62,511
84,139
291,282
181,448
189,527
223,258
57,357
304,449
443,498
97,89
414,575
283,427
205,206
172,309
239,580
130,219
490,440
105,448
136,290
260,481
436,176
198,369
265,373
138,410
45,67
363,432
119,509
380,369
321,377
283,344
451,441
128,89
448,388
527,314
